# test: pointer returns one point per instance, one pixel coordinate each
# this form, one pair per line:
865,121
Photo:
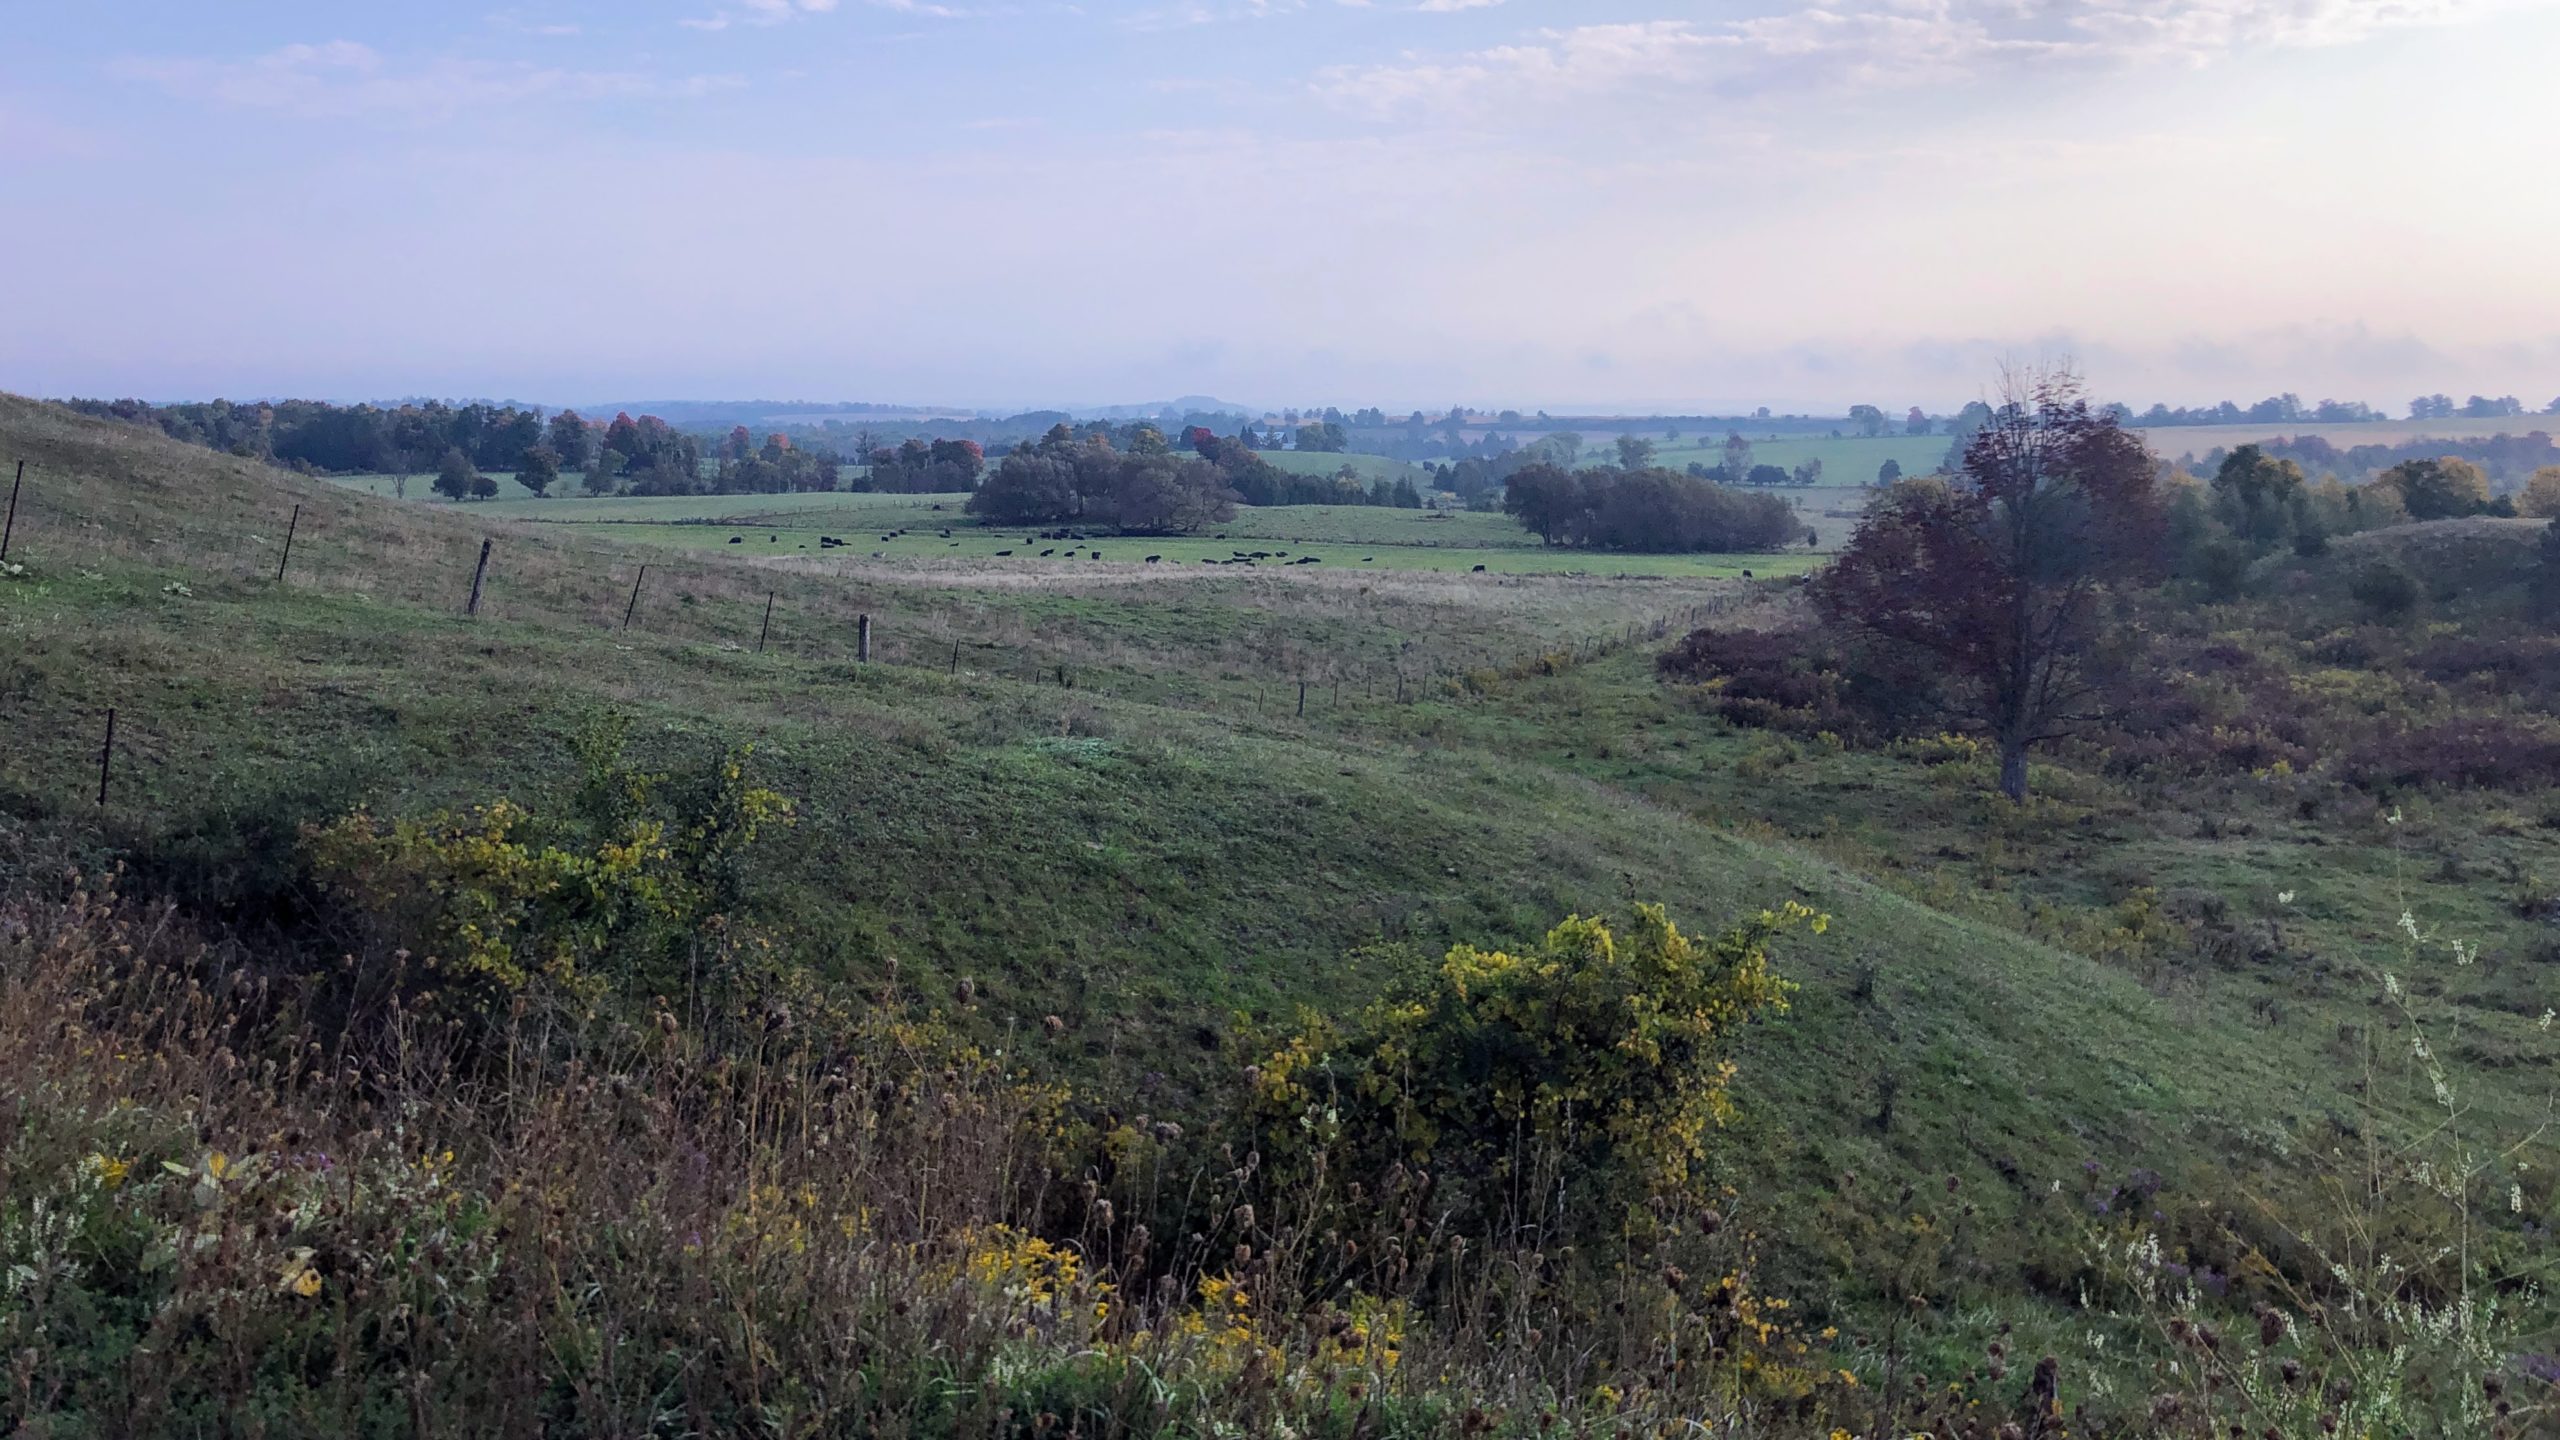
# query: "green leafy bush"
504,897
1606,1049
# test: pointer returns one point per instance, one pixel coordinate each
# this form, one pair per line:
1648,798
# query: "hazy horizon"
1639,206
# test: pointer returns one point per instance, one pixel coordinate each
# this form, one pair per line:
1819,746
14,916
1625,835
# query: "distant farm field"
1320,462
1848,460
2176,440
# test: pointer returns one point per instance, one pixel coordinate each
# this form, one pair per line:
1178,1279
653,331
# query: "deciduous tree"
539,470
1996,573
454,475
2540,498
2441,489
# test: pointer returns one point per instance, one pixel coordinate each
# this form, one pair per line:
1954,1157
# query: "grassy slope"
1145,870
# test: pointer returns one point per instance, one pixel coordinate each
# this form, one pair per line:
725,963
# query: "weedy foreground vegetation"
1238,1004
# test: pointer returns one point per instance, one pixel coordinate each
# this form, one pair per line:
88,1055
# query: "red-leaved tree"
1995,573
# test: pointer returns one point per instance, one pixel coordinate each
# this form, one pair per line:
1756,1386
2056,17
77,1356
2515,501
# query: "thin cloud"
342,79
1864,43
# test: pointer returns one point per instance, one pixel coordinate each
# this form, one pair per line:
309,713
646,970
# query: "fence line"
516,577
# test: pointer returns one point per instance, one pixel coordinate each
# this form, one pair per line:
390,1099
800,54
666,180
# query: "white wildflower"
2284,897
2515,1199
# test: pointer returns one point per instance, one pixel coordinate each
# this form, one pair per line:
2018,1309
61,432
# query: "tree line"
2505,459
1645,510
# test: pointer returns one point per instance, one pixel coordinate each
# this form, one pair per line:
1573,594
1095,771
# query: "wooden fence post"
106,755
10,526
862,639
1302,699
768,622
477,571
290,526
955,659
635,596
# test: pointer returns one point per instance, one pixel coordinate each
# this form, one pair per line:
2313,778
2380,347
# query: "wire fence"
1336,667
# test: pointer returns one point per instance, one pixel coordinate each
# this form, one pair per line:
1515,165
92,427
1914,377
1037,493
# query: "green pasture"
1024,548
1369,467
910,528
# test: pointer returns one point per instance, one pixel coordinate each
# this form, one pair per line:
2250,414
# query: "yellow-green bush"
501,896
1603,1049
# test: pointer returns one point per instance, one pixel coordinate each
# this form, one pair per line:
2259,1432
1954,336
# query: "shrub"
1606,1049
2386,588
1804,682
2487,752
503,897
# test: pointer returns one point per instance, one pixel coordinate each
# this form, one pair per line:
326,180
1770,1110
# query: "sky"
1679,204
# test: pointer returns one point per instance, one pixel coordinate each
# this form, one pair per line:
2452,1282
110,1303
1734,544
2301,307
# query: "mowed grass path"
911,527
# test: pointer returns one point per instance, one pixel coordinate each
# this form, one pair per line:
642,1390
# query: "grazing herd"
1248,558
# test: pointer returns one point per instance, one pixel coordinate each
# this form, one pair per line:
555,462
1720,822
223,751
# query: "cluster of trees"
2285,409
342,439
1869,421
460,444
1652,510
921,467
2506,459
774,468
2259,502
1257,481
1988,594
2289,409
1084,480
2478,407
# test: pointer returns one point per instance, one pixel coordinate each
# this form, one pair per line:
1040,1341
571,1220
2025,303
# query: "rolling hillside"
1159,850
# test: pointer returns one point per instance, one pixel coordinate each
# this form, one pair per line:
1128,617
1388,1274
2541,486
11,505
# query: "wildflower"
2409,923
2515,1199
111,1171
2391,984
299,1276
2548,1016
2284,897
